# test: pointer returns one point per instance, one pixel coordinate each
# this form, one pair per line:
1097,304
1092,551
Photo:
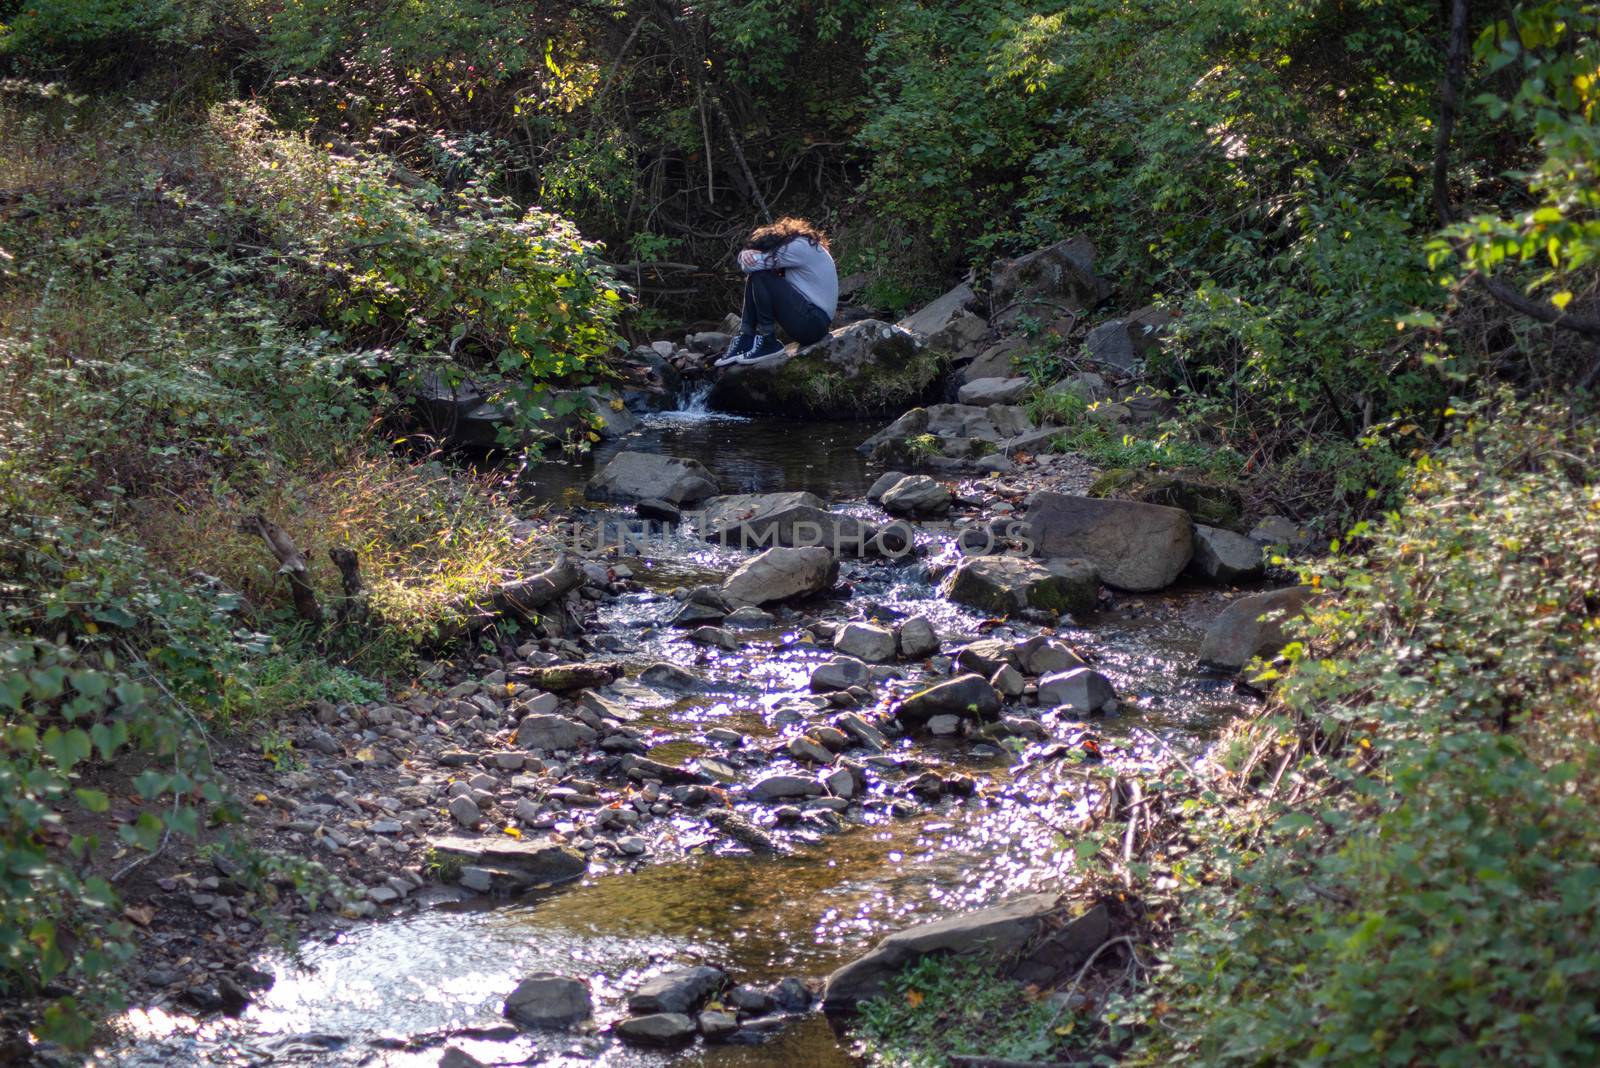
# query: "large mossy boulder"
1044,284
866,368
1006,584
1203,498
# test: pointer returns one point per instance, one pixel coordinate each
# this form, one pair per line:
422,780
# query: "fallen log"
562,678
522,600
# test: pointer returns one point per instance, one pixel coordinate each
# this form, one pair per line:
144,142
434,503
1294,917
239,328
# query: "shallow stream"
396,992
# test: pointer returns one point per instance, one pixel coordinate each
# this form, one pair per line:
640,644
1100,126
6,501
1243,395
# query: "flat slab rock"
1004,929
657,1029
535,861
641,476
1006,584
779,574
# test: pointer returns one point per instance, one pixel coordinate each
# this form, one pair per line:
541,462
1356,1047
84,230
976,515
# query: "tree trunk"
291,564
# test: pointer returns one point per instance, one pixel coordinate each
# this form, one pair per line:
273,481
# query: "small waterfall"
692,398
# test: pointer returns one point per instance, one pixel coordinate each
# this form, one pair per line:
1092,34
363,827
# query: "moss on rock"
1204,500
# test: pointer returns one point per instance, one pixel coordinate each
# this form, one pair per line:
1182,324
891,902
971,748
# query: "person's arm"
795,252
751,261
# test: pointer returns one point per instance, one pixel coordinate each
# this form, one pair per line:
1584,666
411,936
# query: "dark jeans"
769,299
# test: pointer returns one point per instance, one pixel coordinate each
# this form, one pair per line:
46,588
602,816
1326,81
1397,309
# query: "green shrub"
1423,886
95,37
438,280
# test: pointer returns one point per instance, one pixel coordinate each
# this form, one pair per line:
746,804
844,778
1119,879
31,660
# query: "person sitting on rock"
789,281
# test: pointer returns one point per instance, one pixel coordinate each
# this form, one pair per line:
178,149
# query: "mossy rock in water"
866,368
1207,502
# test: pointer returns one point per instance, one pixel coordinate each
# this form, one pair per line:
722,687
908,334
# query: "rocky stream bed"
728,759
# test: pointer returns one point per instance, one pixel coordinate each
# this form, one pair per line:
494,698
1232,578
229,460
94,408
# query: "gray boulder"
749,616
1042,656
1082,690
917,639
1125,343
1279,532
999,360
545,999
941,312
985,656
882,484
660,511
1086,385
1046,283
610,416
1008,681
969,696
676,991
715,637
657,1029
862,732
867,367
962,338
1133,546
951,431
840,673
665,676
725,512
637,476
1006,584
779,574
986,391
1223,556
996,932
803,525
865,641
549,732
917,495
1241,633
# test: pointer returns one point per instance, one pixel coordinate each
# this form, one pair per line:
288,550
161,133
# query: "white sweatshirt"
808,268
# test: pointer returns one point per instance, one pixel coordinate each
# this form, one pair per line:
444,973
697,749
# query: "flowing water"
394,992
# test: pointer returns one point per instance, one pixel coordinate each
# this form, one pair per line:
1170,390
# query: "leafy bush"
424,275
1414,875
95,37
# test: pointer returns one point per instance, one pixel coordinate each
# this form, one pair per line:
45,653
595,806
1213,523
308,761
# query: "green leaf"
66,748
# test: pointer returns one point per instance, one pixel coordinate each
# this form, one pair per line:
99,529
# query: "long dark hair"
776,235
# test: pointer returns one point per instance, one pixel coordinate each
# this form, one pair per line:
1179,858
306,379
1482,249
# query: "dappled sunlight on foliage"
1418,883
